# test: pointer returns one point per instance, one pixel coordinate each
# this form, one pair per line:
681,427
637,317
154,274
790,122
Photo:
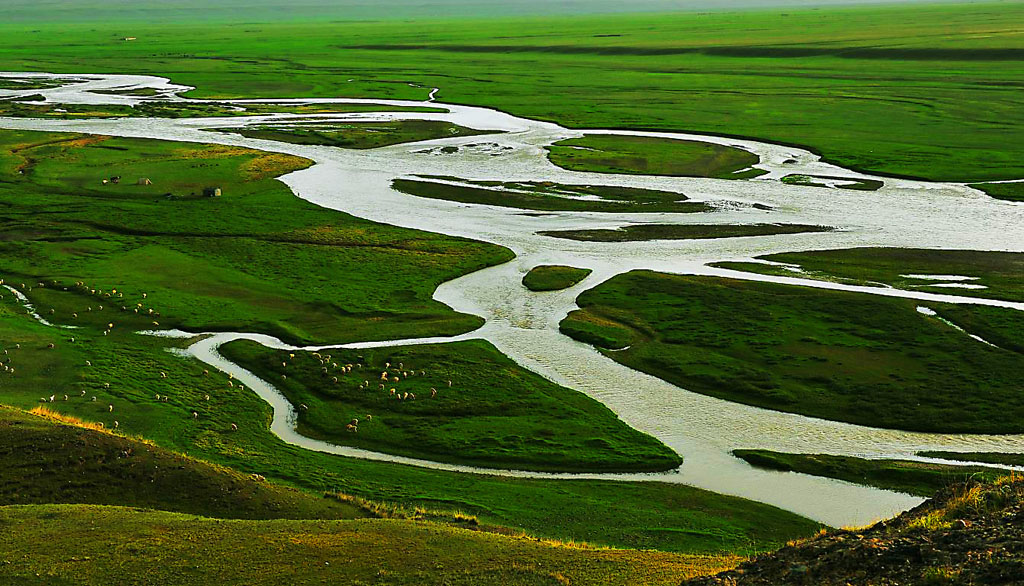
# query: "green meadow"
634,232
461,402
358,135
919,90
186,260
917,478
156,547
553,277
837,355
998,275
255,259
550,197
640,155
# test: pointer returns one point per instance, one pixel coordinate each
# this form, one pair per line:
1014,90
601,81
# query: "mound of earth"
969,534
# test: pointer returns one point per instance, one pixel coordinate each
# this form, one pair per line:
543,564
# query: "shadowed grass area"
996,275
358,135
1008,191
168,548
461,402
640,155
637,232
837,355
49,458
547,196
917,478
986,457
255,259
553,277
832,181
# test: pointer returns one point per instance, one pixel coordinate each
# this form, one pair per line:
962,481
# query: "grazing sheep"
449,384
412,396
433,392
158,396
83,394
165,398
52,397
334,379
50,346
303,407
88,363
352,428
195,415
354,422
65,397
116,424
232,385
110,408
207,397
94,398
105,386
284,376
163,375
206,373
369,417
234,427
405,396
392,392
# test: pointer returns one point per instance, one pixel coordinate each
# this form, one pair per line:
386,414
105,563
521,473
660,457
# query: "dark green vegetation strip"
934,90
1000,273
637,515
16,108
847,182
49,461
986,457
918,478
682,232
552,196
255,259
493,414
837,355
1008,191
359,135
641,155
168,548
553,277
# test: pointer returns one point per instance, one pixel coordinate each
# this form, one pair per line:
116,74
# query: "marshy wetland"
405,308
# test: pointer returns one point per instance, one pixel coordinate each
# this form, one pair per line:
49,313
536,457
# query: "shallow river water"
524,324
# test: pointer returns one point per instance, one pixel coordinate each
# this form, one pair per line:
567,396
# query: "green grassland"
814,181
837,355
493,414
91,545
553,197
636,232
358,135
646,515
917,478
202,262
1001,273
553,277
987,457
640,155
49,461
1007,191
931,91
255,259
